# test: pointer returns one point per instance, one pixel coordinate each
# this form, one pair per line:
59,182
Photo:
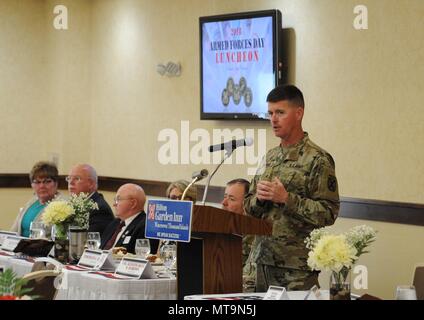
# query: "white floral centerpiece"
74,212
338,253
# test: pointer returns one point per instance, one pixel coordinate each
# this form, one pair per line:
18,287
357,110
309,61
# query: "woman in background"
44,181
174,192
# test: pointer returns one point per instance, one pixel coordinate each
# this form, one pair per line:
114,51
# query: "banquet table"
83,285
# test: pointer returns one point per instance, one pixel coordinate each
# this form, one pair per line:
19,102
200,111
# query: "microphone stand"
188,187
228,153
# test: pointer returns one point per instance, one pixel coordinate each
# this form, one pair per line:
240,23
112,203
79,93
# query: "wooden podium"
212,261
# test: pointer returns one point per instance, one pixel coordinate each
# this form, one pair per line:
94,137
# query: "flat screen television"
240,63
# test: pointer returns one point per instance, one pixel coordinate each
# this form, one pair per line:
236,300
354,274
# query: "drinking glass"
406,293
37,230
142,248
93,240
53,233
169,256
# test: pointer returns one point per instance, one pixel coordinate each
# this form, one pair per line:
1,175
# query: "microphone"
196,176
199,175
231,145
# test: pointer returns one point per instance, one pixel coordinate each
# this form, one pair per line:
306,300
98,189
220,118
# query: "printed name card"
314,294
105,261
135,268
90,258
276,293
10,243
5,234
96,260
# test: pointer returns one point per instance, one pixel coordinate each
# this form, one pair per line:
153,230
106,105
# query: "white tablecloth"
19,266
293,295
79,285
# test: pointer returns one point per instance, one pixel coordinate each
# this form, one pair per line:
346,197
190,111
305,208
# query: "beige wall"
44,88
91,94
23,88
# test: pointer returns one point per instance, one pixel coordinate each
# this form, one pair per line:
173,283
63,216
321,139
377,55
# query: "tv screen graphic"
239,64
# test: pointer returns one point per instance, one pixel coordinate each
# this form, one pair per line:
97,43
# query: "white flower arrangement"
337,252
57,212
74,212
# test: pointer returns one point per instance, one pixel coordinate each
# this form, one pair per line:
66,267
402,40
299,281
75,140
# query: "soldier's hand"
273,191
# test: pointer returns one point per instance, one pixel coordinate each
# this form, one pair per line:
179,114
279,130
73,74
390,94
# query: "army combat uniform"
308,174
246,247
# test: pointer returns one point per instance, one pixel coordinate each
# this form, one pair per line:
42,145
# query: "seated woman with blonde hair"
175,191
44,182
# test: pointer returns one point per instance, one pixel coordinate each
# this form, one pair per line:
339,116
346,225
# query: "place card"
10,243
105,261
94,260
276,293
135,268
5,234
314,294
90,258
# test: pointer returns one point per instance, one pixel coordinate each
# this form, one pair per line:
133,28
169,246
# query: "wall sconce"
171,69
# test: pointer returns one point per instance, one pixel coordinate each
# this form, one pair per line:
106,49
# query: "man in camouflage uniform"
295,188
235,191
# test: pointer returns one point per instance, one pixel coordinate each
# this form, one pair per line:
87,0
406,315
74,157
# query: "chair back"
42,284
418,281
46,264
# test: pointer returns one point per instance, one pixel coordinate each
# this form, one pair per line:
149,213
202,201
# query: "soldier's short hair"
244,182
288,93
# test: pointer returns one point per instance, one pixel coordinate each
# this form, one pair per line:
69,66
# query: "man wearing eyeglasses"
234,194
131,220
83,178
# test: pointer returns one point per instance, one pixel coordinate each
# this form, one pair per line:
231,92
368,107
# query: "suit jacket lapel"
129,231
109,231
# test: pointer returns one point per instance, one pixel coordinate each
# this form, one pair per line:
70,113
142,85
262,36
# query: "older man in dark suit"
131,220
83,178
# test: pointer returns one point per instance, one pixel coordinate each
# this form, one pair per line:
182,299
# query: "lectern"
212,261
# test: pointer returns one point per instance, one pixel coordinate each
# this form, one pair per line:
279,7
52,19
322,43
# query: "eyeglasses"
173,197
73,178
45,181
117,199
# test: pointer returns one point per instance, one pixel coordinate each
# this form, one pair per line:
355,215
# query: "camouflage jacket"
246,247
308,174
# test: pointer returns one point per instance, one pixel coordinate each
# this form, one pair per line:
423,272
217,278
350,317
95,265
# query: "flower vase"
61,243
77,242
340,285
60,231
61,250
